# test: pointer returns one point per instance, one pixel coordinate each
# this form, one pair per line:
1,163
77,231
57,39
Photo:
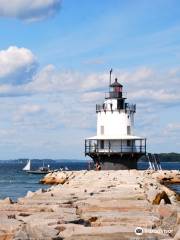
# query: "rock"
177,236
8,227
6,201
171,180
21,234
53,180
165,211
151,194
35,231
41,190
178,218
163,195
29,194
178,197
173,199
93,205
56,178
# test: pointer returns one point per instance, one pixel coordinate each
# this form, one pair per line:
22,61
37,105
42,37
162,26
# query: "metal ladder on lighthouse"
154,162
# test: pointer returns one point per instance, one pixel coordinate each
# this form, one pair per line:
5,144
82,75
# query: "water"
15,183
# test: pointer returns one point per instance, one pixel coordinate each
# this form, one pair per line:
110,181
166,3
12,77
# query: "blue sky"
54,62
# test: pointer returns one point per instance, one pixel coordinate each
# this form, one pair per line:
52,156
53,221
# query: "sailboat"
41,170
28,166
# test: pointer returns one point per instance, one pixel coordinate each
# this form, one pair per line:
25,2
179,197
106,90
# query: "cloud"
91,97
151,86
172,129
29,109
53,101
50,79
29,10
28,114
17,65
146,86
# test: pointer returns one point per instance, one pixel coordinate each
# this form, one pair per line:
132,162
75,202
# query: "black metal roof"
116,84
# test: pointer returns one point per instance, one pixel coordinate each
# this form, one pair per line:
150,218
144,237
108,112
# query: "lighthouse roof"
116,84
123,137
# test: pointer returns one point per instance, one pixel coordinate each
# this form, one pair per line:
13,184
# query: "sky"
55,57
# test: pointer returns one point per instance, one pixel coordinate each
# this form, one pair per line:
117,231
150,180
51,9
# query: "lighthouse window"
128,143
102,130
102,144
128,130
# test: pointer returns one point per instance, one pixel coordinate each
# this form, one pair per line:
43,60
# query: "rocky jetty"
94,205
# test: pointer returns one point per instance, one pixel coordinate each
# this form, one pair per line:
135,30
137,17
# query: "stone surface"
93,205
177,236
161,196
6,201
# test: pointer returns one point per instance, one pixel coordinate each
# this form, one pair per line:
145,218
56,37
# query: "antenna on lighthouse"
110,73
110,76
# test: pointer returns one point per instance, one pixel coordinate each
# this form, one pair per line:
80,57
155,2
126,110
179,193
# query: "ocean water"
15,183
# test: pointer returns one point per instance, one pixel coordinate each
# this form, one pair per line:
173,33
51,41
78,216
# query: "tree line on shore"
165,157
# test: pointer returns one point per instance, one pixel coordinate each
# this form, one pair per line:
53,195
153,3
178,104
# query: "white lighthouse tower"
115,146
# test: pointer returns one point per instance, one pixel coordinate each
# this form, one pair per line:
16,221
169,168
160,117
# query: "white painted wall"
115,123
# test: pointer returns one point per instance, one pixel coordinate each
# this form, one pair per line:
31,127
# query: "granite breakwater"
128,204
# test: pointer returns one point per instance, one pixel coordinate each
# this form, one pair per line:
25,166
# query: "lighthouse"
115,146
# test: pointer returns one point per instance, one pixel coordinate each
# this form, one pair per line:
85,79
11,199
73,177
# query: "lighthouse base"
116,162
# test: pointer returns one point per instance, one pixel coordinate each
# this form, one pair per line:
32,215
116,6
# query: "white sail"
28,166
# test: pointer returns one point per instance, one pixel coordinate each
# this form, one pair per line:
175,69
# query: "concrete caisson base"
118,166
116,161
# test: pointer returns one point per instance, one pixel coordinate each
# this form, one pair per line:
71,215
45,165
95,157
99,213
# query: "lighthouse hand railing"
108,107
113,94
95,146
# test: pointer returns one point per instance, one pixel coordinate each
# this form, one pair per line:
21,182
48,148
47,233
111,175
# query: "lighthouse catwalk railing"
104,107
115,146
105,146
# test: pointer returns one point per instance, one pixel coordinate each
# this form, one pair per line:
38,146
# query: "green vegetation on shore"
169,157
166,157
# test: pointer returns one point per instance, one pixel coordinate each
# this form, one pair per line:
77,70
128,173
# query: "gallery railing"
117,95
105,107
138,146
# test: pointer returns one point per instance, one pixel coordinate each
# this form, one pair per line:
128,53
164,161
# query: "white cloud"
92,97
17,65
27,110
172,129
29,10
30,109
171,134
49,79
144,85
56,101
